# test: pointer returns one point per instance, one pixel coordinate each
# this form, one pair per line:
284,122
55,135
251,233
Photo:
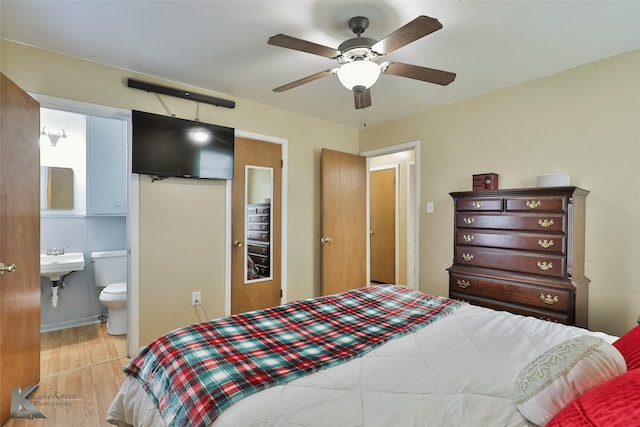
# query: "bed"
381,356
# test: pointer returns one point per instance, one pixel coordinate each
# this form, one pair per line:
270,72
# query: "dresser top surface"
542,191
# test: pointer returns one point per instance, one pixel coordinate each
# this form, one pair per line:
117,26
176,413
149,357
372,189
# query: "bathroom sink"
56,266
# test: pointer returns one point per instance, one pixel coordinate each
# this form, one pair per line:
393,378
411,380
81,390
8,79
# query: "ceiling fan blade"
362,99
303,80
294,43
425,74
418,28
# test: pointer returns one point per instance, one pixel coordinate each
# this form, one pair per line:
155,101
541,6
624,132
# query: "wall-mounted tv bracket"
197,97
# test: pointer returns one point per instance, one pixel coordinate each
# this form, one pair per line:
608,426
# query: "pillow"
553,379
629,346
616,403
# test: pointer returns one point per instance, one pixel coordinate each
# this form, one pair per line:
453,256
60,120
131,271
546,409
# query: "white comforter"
458,371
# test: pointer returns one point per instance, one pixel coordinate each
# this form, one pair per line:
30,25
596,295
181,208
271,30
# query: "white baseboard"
69,324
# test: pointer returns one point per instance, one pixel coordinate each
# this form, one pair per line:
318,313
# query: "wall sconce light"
53,137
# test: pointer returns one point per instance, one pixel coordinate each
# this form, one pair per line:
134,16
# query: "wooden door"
256,292
19,242
343,192
382,236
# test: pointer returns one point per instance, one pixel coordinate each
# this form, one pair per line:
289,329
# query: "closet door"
256,226
382,235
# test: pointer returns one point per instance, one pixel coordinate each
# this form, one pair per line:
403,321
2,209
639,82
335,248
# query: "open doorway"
83,214
392,200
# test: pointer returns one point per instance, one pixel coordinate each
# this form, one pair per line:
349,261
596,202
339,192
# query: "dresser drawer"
515,309
259,259
262,226
527,241
531,204
258,218
550,222
557,300
543,264
258,248
258,235
479,204
262,270
258,210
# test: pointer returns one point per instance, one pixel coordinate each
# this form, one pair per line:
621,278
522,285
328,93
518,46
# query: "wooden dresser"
522,250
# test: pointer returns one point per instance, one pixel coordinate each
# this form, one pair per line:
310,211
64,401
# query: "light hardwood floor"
80,373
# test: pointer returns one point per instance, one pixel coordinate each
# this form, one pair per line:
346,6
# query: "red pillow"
629,346
615,403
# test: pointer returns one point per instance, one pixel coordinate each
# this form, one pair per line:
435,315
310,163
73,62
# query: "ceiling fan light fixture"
358,73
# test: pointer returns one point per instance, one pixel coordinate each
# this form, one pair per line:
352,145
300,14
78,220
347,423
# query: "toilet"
110,273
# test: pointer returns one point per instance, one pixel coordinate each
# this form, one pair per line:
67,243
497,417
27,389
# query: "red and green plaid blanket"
196,372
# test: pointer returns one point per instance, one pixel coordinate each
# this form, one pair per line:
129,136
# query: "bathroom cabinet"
107,151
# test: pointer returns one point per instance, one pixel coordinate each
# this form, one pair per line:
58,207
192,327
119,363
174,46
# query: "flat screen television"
165,146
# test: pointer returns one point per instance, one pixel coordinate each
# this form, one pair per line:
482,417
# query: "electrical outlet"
196,298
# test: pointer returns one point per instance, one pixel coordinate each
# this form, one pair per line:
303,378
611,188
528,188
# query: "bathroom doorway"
83,210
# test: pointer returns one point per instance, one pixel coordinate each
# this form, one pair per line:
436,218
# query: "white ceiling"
221,45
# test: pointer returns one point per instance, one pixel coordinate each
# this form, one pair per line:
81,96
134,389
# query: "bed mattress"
458,371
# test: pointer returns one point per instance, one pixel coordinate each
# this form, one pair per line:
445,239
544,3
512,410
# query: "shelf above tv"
193,96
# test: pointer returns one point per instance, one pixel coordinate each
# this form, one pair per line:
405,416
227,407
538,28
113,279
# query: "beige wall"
583,121
182,221
586,122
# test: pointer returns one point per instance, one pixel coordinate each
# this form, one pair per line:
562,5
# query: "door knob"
9,268
326,240
237,243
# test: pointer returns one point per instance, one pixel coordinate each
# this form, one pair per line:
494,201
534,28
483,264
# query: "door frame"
413,145
283,229
411,215
132,215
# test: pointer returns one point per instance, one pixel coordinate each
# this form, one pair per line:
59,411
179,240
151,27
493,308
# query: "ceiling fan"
358,57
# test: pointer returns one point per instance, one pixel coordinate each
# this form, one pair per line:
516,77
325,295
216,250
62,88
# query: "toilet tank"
109,267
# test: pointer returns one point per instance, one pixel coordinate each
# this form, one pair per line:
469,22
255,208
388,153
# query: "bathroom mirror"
56,188
258,224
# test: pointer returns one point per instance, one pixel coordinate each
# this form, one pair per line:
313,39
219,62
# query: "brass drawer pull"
464,284
544,265
548,299
533,204
545,243
468,220
476,205
467,257
467,238
545,223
